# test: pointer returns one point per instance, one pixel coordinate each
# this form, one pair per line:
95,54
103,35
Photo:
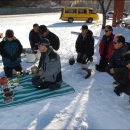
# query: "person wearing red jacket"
105,48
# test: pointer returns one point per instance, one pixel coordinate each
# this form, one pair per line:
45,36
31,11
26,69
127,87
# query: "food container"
4,80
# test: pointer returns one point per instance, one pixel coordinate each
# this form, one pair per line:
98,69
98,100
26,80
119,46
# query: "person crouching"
49,75
122,76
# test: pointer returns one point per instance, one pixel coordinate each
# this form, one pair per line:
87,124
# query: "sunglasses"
107,30
116,43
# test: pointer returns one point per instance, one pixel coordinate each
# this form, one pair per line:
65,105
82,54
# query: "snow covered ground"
94,105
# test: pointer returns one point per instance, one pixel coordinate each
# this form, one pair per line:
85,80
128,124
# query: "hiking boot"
118,89
115,82
88,72
117,92
98,68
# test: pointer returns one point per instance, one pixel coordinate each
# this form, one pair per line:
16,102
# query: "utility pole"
118,11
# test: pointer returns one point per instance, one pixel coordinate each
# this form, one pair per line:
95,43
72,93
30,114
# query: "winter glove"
34,50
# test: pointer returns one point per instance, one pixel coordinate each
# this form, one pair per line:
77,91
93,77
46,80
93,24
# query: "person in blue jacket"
10,50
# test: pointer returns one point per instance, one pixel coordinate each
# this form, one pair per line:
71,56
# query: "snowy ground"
93,105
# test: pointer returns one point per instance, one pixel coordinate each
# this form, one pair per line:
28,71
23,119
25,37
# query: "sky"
93,105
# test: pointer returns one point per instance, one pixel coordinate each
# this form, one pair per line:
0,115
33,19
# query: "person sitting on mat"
50,75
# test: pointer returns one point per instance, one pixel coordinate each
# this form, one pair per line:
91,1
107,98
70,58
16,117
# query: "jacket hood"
90,33
5,39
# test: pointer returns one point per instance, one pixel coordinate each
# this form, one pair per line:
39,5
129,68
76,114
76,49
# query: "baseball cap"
109,27
85,27
44,41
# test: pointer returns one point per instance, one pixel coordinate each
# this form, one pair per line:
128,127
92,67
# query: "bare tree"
105,4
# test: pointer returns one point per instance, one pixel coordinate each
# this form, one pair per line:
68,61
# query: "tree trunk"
102,3
104,20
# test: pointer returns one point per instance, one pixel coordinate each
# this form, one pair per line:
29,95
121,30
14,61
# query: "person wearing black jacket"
10,50
120,48
53,38
34,37
122,76
85,45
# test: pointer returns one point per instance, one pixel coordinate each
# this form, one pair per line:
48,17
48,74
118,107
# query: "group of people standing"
113,50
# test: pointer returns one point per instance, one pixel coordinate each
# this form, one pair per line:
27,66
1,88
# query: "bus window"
82,11
70,11
92,11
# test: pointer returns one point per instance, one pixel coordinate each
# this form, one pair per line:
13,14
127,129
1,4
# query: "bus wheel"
70,20
90,20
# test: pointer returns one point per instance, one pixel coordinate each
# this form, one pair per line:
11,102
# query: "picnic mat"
26,92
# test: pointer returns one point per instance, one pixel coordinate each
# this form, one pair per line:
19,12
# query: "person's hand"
128,66
112,71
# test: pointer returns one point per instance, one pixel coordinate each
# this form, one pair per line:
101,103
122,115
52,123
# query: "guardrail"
28,10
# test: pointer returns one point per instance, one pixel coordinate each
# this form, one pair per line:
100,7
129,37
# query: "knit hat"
44,41
9,33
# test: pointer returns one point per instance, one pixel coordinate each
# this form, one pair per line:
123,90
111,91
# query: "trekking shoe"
88,72
117,92
98,68
115,82
118,89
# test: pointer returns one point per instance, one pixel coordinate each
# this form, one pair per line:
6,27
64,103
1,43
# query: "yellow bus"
71,14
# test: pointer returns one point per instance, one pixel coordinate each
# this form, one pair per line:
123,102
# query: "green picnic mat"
26,92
